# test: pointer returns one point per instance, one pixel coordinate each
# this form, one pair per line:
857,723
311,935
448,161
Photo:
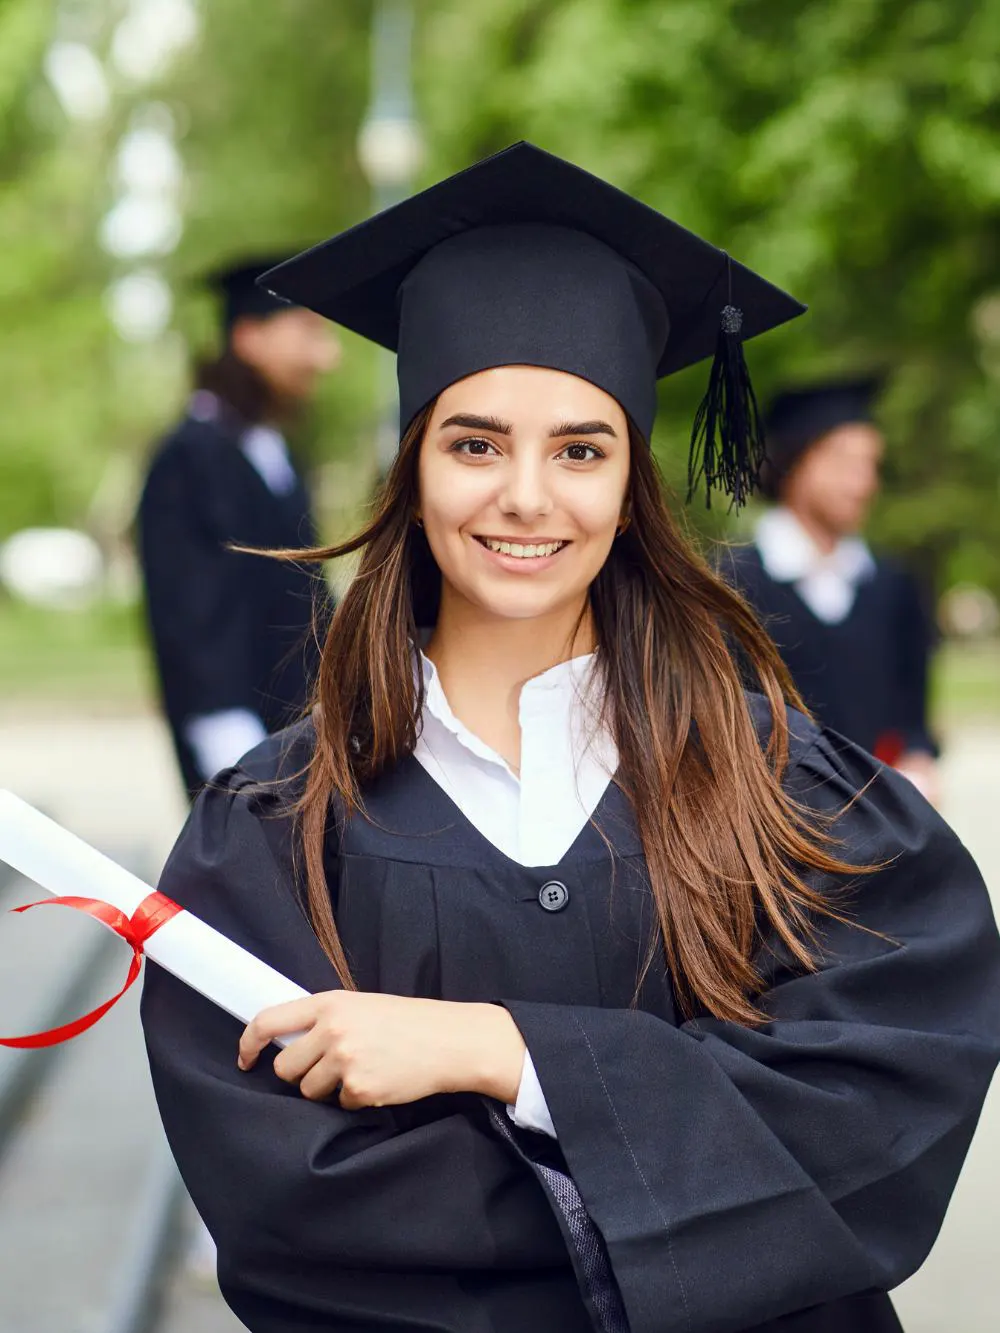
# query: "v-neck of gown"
589,844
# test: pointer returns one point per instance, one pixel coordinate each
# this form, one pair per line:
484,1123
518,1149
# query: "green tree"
266,114
271,110
849,149
47,314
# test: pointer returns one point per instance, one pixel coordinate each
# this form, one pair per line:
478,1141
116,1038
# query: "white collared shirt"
826,582
567,761
265,450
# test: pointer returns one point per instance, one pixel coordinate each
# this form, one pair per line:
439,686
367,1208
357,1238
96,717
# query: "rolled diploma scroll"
63,864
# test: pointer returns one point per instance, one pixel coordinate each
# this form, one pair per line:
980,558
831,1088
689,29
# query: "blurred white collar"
267,453
262,446
826,582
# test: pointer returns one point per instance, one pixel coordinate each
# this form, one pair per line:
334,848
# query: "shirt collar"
565,686
203,405
789,554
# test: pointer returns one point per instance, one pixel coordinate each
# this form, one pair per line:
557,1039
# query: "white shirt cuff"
219,739
531,1110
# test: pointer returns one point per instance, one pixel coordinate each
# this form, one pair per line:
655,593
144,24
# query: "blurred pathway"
73,1183
956,1290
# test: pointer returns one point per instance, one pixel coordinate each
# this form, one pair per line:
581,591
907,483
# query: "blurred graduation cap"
525,258
235,283
797,418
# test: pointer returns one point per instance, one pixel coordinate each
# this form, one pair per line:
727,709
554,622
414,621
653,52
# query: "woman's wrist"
491,1055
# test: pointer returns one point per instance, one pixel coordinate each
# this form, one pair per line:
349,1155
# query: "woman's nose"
524,493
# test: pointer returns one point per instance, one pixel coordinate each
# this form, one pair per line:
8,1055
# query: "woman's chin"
519,604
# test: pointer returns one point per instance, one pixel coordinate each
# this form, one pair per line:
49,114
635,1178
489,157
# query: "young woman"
638,1002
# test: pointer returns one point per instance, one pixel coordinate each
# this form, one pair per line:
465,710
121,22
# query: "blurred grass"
965,683
93,659
96,660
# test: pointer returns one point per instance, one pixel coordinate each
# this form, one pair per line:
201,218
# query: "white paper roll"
63,864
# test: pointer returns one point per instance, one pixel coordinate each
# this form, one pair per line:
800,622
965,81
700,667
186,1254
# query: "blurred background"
848,149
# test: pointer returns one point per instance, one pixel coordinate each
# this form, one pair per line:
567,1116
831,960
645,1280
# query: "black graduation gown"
228,630
778,1180
865,677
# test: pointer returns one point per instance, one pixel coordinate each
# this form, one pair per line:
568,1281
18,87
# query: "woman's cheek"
598,519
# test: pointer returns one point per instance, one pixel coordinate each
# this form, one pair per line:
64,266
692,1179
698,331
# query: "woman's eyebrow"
582,428
494,424
500,427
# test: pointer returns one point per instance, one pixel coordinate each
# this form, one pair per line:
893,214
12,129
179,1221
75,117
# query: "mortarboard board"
525,258
241,295
797,418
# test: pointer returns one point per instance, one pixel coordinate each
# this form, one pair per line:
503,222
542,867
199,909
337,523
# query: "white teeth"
521,551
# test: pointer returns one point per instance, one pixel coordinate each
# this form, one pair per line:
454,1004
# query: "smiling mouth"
521,550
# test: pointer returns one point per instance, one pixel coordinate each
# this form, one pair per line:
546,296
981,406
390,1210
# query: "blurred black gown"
719,1179
229,631
864,676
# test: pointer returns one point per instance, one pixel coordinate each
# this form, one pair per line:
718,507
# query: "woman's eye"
475,448
582,453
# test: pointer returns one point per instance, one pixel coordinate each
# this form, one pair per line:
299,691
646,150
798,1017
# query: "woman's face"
290,350
523,477
837,478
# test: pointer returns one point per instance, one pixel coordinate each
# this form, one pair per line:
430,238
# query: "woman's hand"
383,1050
922,770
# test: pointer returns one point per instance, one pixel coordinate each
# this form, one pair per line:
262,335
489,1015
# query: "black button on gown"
720,1180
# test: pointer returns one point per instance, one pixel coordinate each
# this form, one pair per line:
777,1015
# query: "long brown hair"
667,628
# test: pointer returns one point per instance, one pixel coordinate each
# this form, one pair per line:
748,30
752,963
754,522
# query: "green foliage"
267,114
39,245
271,110
93,656
849,149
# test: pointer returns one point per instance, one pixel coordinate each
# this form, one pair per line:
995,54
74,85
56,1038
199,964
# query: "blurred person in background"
233,633
851,626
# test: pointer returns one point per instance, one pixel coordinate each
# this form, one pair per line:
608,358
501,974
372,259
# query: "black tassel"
727,440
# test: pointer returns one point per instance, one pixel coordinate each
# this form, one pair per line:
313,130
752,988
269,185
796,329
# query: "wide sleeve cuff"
531,1110
219,739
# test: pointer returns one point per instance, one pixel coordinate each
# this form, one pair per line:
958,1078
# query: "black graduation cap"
797,418
236,284
525,258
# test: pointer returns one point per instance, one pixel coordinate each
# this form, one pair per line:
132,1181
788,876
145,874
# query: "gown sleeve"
303,1198
198,594
737,1175
915,642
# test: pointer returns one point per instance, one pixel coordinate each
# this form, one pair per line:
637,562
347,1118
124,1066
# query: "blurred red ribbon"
153,912
889,748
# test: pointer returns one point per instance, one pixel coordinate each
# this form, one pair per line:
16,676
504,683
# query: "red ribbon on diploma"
153,912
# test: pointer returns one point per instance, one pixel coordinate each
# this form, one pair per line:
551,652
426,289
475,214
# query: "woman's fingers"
300,1056
322,1080
296,1016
